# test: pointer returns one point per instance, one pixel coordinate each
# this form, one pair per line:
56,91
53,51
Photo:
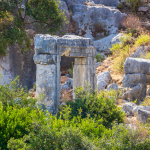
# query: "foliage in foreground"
26,127
98,106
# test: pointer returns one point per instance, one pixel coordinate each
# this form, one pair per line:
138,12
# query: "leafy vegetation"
90,124
98,106
100,58
45,15
142,40
134,4
121,51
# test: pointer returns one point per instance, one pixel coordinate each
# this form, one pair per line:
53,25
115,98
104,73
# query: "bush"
132,24
14,94
118,65
61,134
98,106
115,48
99,27
123,138
82,125
142,40
100,58
16,122
134,4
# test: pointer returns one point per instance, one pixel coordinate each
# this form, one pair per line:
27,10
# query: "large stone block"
143,116
131,80
137,92
103,79
45,44
75,46
137,65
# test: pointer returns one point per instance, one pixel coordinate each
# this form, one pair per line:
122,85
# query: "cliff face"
18,64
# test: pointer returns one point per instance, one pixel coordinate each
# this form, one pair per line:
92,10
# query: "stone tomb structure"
48,52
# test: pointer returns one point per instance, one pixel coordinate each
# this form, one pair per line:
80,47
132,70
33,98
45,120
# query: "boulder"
138,93
103,79
135,109
92,20
131,80
104,44
98,64
112,86
137,65
143,115
141,51
144,9
128,107
69,82
101,85
68,85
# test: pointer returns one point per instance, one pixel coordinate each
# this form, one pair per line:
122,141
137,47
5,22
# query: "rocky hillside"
118,66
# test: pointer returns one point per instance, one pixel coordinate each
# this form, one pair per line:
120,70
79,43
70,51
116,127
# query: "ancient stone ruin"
137,74
48,52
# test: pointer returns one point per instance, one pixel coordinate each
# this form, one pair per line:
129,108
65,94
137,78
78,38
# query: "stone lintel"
45,44
76,51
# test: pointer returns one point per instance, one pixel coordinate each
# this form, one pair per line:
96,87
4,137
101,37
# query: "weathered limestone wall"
18,64
48,52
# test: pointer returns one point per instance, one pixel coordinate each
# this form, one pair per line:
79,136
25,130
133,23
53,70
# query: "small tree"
45,13
134,4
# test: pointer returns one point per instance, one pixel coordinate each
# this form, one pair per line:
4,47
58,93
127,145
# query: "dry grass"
146,102
132,22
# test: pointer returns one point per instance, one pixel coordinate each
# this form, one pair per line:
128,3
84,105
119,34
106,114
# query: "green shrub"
16,122
134,4
115,48
123,138
82,125
98,106
14,94
142,40
61,134
100,58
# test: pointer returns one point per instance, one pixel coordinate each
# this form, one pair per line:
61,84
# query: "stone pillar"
48,80
84,72
47,62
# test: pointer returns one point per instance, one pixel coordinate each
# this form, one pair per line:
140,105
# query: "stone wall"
18,64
